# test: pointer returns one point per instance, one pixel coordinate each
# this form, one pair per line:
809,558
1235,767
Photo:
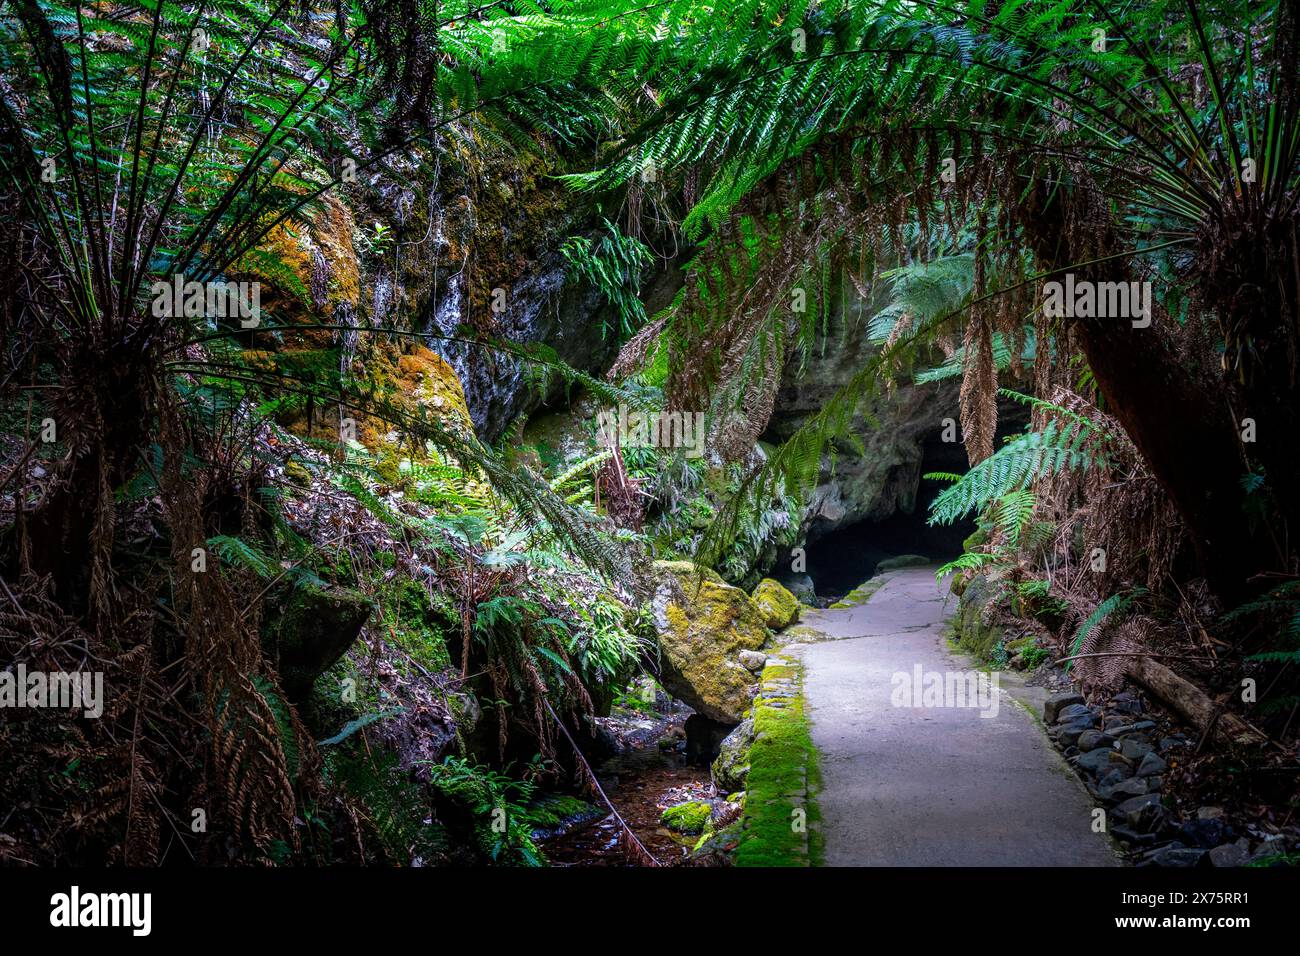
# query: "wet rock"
1124,790
1115,773
1135,747
1098,762
1132,836
753,661
1068,734
1092,739
1073,712
1053,705
731,767
1125,703
1202,833
1176,855
903,561
1151,765
1231,854
1123,727
801,586
1141,813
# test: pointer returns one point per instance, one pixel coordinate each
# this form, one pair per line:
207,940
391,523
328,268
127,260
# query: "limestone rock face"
779,607
702,625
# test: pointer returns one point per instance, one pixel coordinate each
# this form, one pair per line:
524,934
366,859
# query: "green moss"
903,561
690,817
554,813
417,626
861,594
782,780
779,607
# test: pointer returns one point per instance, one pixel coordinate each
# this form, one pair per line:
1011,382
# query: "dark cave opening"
840,560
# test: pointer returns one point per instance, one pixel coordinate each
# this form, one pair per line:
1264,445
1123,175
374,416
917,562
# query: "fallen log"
1193,704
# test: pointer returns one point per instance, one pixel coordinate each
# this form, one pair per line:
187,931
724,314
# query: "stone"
1142,813
1092,739
1135,748
903,561
1273,845
1069,734
731,767
1132,836
1202,833
1231,854
702,625
1124,790
1125,703
1054,704
1073,712
1209,813
1175,855
690,817
801,586
753,661
778,606
1097,762
1115,773
1151,765
1121,726
306,629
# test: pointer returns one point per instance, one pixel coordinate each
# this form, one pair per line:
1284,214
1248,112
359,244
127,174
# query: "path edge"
783,775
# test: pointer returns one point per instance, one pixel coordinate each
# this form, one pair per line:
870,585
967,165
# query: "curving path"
930,786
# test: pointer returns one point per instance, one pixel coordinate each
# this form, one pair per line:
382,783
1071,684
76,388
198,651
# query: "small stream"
651,775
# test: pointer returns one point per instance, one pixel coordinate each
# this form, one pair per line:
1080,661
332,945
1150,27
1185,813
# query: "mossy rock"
971,632
732,765
297,473
428,381
903,561
779,607
690,817
701,626
306,629
686,570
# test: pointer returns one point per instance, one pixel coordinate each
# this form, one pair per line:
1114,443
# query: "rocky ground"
1133,760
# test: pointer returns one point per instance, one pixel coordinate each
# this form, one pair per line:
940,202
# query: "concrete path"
936,785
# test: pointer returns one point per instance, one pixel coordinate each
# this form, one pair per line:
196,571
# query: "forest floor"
934,785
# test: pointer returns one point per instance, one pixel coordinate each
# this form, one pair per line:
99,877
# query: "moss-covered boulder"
779,607
690,817
732,766
306,629
899,562
702,624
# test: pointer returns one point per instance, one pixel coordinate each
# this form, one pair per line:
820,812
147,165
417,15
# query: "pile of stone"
1123,754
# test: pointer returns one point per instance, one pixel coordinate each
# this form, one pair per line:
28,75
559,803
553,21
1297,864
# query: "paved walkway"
930,786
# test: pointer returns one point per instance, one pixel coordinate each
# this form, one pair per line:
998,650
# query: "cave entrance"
840,560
